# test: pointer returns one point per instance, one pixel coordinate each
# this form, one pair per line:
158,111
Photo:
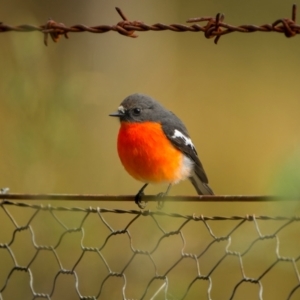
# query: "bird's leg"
139,195
160,202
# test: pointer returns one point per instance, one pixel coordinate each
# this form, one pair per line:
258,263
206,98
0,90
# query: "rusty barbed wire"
214,27
205,240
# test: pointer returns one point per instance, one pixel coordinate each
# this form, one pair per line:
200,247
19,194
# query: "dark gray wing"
179,137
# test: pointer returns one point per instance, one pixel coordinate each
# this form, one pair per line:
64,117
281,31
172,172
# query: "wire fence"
215,27
49,252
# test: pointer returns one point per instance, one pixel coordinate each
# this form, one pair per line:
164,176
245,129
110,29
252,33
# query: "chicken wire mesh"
49,252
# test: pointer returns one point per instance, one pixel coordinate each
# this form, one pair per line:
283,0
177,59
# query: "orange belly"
147,154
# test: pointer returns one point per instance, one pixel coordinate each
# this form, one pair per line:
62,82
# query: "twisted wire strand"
214,27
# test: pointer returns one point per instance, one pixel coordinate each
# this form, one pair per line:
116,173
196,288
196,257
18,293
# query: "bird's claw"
142,204
160,202
138,200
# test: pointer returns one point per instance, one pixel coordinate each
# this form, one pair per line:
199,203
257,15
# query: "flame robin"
154,146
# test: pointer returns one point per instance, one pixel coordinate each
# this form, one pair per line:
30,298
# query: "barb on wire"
214,27
55,35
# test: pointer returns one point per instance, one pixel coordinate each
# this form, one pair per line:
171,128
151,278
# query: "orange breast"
147,154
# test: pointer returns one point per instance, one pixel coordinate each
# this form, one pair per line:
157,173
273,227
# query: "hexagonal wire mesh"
94,253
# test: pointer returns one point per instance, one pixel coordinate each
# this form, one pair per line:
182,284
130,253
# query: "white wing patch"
187,141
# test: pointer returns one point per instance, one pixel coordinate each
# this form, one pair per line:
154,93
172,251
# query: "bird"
154,146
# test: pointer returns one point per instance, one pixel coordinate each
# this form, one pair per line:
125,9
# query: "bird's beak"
116,114
119,113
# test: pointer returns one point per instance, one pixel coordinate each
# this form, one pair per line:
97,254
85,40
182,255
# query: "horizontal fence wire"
49,252
214,27
148,198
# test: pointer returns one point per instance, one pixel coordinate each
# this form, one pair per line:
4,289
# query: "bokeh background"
239,99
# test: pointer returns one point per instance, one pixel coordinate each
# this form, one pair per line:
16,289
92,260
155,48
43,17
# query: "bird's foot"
160,201
138,200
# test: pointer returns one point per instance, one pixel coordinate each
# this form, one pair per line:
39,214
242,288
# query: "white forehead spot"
121,109
187,141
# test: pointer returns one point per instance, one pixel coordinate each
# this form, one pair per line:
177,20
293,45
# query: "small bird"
154,146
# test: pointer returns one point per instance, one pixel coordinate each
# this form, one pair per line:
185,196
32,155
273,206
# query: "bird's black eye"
136,111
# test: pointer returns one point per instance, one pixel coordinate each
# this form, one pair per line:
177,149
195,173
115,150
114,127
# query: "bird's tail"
201,187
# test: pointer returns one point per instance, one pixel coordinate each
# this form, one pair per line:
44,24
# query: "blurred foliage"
288,177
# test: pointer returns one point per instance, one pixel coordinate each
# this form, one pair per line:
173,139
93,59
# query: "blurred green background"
239,100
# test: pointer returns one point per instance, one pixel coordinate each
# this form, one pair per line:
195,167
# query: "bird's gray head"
140,108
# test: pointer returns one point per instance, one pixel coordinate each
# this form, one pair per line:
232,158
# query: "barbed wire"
214,27
159,232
